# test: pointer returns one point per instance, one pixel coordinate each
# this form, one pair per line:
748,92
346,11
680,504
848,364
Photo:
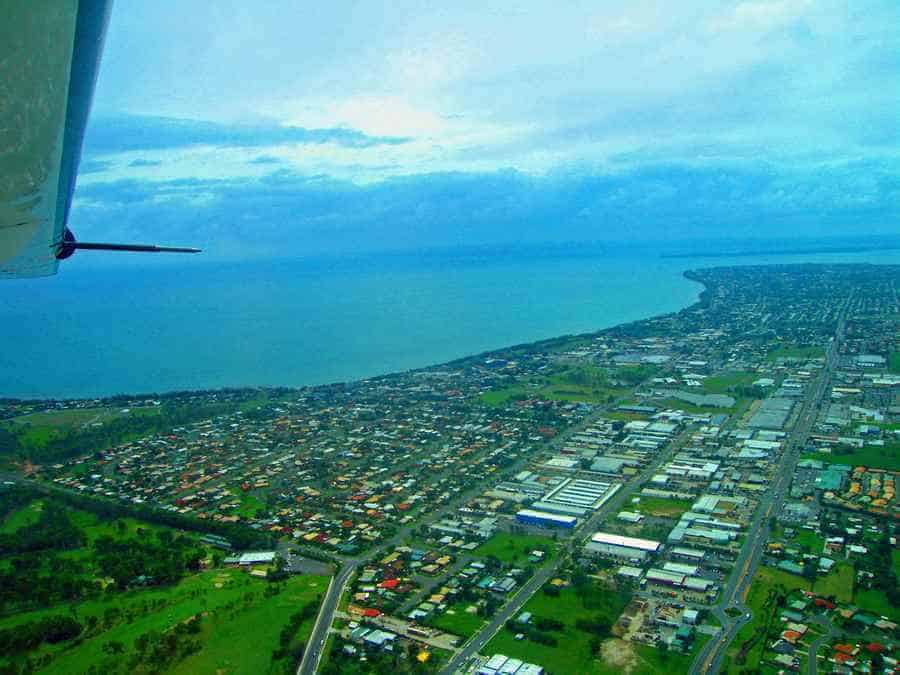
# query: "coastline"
691,275
340,345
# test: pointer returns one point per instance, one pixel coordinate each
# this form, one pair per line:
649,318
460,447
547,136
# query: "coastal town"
712,490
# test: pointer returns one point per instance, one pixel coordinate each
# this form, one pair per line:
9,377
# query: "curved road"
830,633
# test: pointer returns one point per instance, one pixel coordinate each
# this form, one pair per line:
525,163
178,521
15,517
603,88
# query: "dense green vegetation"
45,441
30,635
64,555
241,536
84,593
882,562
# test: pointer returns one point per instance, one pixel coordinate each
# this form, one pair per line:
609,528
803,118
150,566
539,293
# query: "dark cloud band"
134,132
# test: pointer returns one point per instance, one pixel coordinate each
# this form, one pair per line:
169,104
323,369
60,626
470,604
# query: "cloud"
286,214
396,127
94,166
124,133
137,163
265,159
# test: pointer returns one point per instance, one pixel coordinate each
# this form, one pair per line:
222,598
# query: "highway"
316,643
709,659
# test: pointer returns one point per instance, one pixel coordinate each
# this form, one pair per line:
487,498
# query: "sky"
285,128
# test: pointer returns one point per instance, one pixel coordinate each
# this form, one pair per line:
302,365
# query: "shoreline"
690,275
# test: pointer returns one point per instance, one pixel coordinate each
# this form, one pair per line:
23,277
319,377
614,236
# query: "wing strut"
69,245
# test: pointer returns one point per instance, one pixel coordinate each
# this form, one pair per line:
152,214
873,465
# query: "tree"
580,579
114,647
809,572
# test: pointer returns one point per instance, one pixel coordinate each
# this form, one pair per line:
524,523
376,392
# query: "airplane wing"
49,57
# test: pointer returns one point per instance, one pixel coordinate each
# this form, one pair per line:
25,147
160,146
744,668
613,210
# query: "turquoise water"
93,332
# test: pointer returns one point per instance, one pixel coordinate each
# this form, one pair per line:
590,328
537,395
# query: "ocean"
95,331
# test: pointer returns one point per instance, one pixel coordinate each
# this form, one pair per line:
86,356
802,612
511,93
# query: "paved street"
316,643
830,633
709,659
586,528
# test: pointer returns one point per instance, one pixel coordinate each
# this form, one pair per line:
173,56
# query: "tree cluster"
164,560
288,646
532,633
54,530
30,635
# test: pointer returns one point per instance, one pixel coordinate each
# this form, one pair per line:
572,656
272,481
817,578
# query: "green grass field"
238,634
723,384
572,655
555,391
22,517
243,643
663,508
513,549
811,540
34,431
874,600
796,352
500,397
249,506
837,583
869,456
458,621
894,362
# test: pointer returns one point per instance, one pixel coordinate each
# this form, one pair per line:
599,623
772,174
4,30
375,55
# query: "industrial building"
500,664
668,577
545,519
617,546
575,497
608,465
772,414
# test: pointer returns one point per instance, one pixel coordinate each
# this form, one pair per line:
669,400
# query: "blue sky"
364,126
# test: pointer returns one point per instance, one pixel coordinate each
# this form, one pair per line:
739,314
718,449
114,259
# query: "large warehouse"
544,519
576,497
618,546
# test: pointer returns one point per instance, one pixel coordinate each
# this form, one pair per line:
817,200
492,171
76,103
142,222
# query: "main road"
544,574
315,646
316,643
709,659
